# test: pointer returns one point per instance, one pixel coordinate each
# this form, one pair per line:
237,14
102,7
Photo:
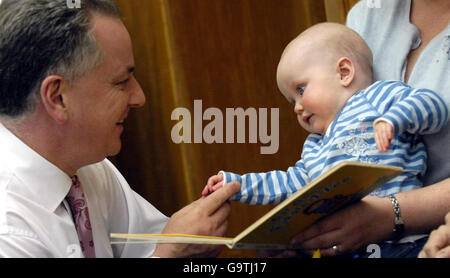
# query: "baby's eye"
301,90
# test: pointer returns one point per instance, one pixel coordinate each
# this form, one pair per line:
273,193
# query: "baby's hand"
214,182
383,135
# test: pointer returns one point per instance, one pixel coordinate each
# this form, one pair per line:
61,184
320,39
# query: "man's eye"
301,90
122,82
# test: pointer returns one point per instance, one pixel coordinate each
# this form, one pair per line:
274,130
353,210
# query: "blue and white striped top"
350,137
391,36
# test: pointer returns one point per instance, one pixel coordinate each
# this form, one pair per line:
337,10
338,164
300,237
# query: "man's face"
100,101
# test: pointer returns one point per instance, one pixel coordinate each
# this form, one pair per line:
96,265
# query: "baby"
326,73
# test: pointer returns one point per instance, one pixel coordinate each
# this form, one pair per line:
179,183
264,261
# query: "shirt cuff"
383,120
224,176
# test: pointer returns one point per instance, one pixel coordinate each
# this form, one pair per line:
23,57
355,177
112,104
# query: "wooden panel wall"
224,53
336,10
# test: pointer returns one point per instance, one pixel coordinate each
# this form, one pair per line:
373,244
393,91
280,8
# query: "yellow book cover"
343,184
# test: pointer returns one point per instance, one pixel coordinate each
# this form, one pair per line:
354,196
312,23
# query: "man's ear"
53,97
346,71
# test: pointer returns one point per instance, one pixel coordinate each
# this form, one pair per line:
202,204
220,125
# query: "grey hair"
39,38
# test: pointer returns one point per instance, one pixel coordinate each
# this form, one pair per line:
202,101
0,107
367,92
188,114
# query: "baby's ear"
346,71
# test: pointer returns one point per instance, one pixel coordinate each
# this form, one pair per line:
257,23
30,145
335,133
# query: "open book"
341,185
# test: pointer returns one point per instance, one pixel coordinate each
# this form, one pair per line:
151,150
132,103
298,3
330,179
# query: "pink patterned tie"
80,213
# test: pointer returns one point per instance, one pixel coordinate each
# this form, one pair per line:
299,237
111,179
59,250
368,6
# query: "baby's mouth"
307,118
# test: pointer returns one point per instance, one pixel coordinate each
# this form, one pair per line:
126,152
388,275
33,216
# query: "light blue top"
351,138
391,36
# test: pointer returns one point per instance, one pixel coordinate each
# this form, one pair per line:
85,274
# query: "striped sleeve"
409,110
268,188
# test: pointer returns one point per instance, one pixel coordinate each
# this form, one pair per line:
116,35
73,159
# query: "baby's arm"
265,188
416,111
260,188
405,109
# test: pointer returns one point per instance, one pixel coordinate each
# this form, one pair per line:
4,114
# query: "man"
66,87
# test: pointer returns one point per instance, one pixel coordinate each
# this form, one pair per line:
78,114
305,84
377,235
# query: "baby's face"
311,86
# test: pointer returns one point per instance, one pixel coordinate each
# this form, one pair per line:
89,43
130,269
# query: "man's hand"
206,216
384,132
214,182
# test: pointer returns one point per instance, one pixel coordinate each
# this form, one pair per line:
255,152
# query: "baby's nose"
298,108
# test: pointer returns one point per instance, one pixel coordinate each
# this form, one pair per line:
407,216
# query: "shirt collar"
40,180
327,133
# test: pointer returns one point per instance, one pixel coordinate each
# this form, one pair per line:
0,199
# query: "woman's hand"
369,221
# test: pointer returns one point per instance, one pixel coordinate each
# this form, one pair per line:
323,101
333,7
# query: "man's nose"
137,98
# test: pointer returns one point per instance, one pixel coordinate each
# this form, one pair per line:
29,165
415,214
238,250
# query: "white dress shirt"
35,219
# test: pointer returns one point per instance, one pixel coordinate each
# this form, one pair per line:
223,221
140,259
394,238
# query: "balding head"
332,40
325,43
